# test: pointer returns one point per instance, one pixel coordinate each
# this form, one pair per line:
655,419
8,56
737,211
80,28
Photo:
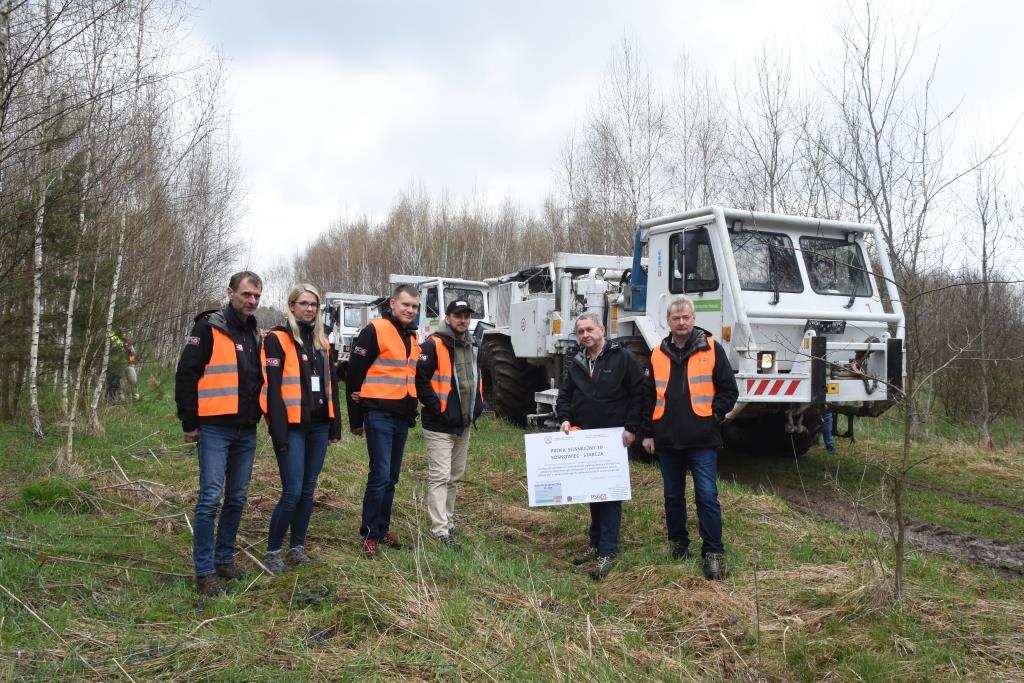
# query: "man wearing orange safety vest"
448,385
381,388
691,387
216,388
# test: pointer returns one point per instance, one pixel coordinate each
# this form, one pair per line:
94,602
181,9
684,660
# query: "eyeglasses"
307,304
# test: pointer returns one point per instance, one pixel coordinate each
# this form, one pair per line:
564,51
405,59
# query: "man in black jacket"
447,381
216,388
381,388
692,388
603,387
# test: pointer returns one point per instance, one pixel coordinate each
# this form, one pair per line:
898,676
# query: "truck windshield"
835,266
353,317
474,296
765,262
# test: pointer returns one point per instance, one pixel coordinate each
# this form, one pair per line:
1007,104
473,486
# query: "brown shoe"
370,547
390,540
229,571
208,585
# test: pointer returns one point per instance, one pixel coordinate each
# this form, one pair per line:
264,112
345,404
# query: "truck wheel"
509,382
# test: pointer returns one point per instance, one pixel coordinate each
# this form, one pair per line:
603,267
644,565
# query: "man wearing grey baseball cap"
449,388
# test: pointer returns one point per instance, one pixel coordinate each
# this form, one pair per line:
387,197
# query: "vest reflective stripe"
218,387
291,381
441,380
392,375
699,377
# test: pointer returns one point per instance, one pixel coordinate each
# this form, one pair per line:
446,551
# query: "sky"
338,106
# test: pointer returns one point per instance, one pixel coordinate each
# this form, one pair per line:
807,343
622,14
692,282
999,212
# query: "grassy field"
96,574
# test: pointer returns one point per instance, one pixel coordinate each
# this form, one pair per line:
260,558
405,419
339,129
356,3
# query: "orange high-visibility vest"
700,368
392,375
218,387
441,380
291,381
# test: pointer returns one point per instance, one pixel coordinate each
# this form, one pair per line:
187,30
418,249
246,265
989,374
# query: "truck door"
430,310
692,271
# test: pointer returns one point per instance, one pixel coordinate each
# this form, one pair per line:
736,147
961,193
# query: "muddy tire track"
1005,557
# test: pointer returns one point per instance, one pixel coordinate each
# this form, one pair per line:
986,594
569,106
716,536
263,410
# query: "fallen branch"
204,622
114,566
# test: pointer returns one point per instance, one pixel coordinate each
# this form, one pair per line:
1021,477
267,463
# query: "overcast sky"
339,105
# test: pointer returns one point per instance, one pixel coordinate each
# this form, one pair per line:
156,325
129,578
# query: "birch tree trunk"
37,310
73,294
37,238
101,380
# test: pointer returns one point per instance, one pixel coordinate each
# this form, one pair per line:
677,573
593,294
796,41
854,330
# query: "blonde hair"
319,337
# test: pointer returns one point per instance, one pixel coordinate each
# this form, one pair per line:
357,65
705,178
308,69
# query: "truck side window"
765,262
430,304
697,261
835,266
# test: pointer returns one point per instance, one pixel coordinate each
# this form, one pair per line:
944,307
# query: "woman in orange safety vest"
300,400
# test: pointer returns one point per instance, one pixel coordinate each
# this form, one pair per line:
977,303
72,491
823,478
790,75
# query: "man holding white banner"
603,387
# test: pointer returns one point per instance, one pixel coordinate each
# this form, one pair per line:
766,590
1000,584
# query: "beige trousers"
132,375
446,463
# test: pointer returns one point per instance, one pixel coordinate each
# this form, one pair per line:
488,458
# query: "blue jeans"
385,440
605,523
225,464
826,431
703,464
300,467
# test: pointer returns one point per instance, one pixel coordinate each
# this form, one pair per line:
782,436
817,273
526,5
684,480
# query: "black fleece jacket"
314,407
365,350
680,427
612,397
196,355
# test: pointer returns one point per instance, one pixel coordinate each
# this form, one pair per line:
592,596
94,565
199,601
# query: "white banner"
585,466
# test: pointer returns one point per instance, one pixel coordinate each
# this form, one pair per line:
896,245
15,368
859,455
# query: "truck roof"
751,219
348,296
571,262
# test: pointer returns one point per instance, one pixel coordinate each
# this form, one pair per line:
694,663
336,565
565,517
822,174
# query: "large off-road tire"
766,436
509,382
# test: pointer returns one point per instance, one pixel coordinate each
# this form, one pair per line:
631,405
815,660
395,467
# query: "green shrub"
55,493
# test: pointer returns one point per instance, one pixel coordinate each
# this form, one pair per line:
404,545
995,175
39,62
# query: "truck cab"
809,322
344,314
435,295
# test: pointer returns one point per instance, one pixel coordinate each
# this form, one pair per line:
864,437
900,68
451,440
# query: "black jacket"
449,422
613,397
196,355
681,427
364,351
309,358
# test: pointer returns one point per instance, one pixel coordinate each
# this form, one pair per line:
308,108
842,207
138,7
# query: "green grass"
108,568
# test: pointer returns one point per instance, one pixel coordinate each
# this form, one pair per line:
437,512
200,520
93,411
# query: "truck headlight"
765,362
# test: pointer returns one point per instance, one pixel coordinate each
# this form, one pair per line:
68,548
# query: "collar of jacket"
698,342
580,357
447,335
408,329
226,318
